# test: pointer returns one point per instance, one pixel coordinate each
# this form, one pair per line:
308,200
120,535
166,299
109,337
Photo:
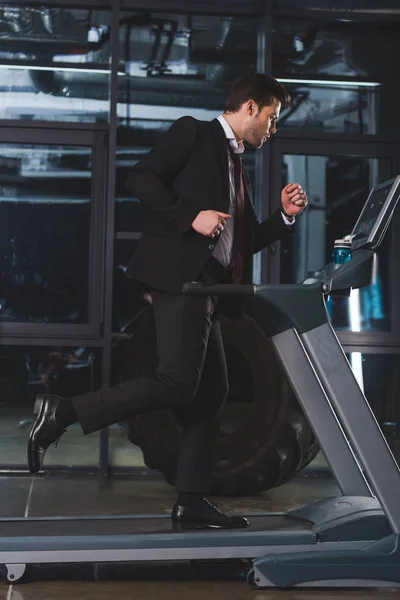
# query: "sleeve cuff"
286,220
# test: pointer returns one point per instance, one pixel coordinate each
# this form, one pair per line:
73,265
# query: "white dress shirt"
223,250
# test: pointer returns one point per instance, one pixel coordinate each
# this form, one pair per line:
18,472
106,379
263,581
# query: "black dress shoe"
44,431
205,515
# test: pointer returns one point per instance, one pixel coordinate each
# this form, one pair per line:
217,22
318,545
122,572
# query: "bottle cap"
342,243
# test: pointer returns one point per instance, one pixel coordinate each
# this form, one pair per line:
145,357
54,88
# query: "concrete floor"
56,495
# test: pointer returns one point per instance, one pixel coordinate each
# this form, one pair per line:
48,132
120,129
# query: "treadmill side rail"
320,415
345,518
356,417
375,564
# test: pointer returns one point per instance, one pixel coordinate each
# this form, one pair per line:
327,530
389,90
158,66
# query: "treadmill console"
365,238
376,215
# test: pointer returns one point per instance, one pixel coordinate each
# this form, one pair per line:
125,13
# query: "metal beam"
109,240
204,7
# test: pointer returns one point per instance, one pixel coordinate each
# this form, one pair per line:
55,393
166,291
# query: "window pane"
26,371
348,54
54,64
337,188
333,109
378,376
45,224
176,65
182,60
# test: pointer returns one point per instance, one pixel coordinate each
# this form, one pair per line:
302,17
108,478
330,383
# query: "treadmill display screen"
376,214
372,211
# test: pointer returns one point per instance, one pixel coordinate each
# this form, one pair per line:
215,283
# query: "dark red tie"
238,236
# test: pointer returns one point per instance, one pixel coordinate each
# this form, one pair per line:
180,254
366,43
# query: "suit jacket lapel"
222,152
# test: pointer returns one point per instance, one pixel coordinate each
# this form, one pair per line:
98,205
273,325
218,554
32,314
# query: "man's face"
260,124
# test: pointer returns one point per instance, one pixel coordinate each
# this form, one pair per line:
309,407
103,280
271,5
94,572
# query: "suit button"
211,247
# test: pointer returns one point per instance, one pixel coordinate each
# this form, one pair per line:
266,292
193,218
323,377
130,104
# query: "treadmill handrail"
219,289
301,306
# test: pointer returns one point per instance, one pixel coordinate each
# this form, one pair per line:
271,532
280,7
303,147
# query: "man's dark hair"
259,87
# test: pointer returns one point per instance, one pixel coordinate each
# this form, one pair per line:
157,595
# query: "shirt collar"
236,147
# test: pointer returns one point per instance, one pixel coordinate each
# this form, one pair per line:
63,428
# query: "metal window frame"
263,156
101,4
322,15
203,7
104,462
334,4
256,8
27,124
27,332
99,333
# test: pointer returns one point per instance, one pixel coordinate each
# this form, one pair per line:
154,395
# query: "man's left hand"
294,199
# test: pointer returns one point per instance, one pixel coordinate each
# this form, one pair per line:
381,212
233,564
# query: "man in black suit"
201,227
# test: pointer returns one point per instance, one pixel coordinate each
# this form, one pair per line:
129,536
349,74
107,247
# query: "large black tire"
265,439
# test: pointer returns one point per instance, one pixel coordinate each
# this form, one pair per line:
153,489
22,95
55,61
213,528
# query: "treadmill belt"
31,527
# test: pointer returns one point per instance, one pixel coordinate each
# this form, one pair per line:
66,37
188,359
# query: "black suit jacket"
188,172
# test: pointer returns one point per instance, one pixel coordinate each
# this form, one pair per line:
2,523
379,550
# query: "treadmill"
350,540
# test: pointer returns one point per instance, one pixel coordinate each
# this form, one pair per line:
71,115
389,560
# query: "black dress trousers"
191,373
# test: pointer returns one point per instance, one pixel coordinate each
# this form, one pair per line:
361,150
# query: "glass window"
54,64
310,46
26,371
337,188
378,376
182,61
351,55
175,65
330,108
45,224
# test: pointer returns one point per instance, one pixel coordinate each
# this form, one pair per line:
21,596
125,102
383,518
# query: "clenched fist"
294,199
210,222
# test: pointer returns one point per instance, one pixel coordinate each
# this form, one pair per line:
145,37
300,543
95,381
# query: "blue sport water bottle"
342,251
